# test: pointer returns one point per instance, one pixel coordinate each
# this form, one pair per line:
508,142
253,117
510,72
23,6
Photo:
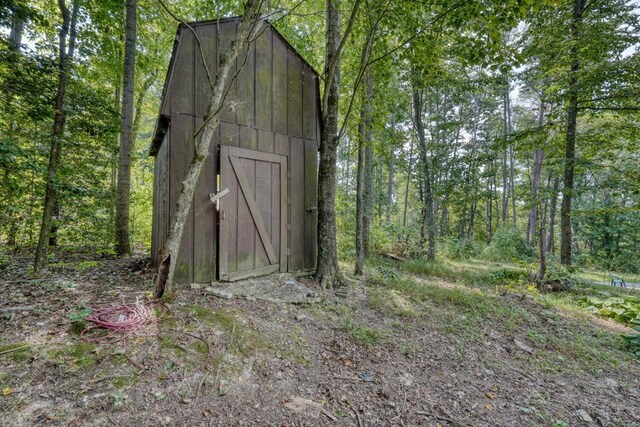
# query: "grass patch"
17,351
241,338
82,355
363,334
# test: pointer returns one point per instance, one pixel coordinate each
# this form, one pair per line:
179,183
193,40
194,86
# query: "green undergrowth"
465,299
363,334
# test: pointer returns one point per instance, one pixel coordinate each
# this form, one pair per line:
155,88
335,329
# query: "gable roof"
162,121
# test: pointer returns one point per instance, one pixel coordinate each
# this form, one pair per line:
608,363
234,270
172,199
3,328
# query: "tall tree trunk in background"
507,133
406,188
542,256
69,21
359,267
17,29
123,188
367,217
572,118
538,158
250,26
391,172
551,246
426,176
151,79
15,43
505,188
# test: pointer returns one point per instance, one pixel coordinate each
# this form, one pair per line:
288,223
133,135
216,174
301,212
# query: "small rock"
218,293
523,346
584,416
301,317
196,286
186,400
366,376
291,282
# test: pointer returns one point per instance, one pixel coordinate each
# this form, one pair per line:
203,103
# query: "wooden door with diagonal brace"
253,214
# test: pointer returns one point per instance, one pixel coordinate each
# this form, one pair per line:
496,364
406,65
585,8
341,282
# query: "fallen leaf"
523,346
306,406
490,395
7,391
488,406
347,362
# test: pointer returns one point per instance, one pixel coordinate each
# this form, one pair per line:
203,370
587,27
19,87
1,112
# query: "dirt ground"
340,362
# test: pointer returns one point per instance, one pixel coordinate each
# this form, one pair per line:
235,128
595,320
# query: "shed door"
253,215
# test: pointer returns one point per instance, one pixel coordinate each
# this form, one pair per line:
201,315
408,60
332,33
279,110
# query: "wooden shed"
264,158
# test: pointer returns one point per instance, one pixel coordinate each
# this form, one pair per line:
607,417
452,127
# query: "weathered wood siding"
272,107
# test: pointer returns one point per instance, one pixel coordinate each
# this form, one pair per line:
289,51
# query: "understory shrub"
460,248
508,245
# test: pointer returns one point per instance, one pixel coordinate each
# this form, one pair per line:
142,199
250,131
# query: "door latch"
215,197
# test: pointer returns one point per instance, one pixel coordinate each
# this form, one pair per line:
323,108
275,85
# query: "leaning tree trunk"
572,118
249,28
69,21
126,133
426,177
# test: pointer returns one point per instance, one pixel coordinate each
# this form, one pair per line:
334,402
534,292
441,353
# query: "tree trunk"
123,188
17,29
327,270
428,219
551,246
572,118
249,28
542,245
359,268
406,188
391,173
505,189
69,21
367,217
538,158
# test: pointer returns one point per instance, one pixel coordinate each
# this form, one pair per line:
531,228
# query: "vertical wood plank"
204,259
155,230
264,81
208,42
246,87
248,138
279,86
296,194
265,141
284,218
264,197
227,215
275,212
227,35
229,134
282,144
246,227
309,113
294,95
311,204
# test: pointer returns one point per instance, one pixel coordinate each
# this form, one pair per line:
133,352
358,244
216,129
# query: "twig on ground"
329,415
14,349
338,377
